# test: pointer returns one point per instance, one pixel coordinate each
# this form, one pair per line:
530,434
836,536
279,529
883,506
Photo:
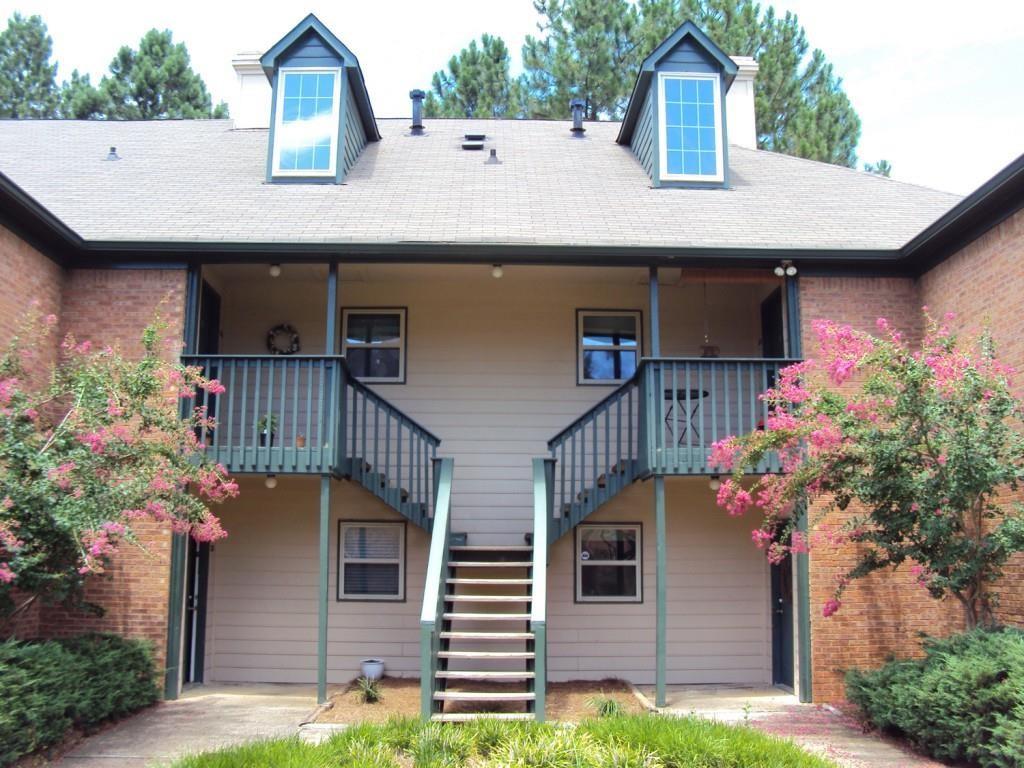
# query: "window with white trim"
608,564
690,140
306,122
371,561
608,345
373,343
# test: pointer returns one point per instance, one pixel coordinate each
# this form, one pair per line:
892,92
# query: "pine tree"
590,50
881,168
477,83
154,82
28,85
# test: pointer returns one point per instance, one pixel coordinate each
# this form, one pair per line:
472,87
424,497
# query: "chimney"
251,108
576,106
739,104
417,97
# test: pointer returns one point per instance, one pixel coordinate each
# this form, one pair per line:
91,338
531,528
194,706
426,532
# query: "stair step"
489,598
465,717
486,654
490,564
458,616
491,548
466,675
488,581
483,696
487,635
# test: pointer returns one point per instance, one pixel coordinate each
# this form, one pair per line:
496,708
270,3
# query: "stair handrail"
431,615
543,474
359,386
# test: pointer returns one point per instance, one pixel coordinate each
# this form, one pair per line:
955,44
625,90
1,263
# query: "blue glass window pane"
323,106
675,161
690,91
291,85
309,85
674,138
288,159
672,89
706,114
322,158
307,108
708,164
291,110
707,138
673,114
689,138
325,86
704,93
690,114
691,163
304,159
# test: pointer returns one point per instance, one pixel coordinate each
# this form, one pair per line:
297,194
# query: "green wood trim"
540,668
322,589
803,617
175,609
661,609
433,588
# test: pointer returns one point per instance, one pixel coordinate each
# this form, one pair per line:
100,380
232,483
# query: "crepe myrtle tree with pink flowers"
91,447
919,446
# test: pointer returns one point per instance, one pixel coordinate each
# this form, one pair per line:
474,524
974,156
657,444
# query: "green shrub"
963,702
606,707
48,687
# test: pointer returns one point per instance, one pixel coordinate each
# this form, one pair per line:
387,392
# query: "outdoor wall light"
785,269
714,483
497,271
275,270
271,481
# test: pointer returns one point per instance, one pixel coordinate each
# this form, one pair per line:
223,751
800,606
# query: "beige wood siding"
719,625
262,611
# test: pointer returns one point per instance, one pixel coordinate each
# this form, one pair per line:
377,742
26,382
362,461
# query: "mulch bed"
400,697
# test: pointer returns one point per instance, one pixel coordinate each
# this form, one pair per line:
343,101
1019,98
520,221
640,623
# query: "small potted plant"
300,441
267,428
372,669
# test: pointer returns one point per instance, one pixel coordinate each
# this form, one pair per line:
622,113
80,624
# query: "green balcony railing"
307,414
662,421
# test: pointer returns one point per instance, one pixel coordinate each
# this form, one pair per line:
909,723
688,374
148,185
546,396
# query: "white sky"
939,85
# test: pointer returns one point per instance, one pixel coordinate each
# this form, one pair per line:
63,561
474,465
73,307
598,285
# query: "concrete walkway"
820,729
204,718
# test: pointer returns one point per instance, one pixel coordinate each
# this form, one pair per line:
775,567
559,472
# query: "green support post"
322,589
803,615
661,564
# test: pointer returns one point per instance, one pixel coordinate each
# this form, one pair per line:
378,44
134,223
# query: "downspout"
179,545
805,690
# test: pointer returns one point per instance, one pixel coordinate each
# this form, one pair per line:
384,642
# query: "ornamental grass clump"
93,448
919,448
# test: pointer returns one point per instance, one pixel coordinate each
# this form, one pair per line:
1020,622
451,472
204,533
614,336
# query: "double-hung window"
608,345
690,141
373,343
371,561
608,564
306,122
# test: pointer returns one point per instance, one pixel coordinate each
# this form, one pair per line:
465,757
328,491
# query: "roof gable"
311,43
686,49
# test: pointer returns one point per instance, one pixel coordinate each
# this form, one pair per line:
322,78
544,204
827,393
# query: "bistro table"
673,418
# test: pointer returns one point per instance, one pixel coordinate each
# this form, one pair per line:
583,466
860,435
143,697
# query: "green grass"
639,741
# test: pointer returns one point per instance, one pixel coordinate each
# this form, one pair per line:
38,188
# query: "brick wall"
107,307
112,307
882,614
984,285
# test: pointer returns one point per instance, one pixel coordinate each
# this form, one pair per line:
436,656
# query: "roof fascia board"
35,223
269,59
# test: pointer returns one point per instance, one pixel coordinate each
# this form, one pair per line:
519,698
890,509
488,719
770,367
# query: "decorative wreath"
283,340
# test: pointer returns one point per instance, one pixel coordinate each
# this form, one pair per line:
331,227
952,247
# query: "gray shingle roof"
198,181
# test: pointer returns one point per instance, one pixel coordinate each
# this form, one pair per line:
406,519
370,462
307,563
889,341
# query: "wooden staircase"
486,657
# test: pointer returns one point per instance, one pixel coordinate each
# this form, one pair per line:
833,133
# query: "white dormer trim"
663,167
334,118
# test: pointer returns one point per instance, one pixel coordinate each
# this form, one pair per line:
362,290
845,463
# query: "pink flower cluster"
8,388
842,348
735,499
723,453
60,476
831,606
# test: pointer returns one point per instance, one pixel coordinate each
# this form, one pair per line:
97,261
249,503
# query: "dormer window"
306,124
691,127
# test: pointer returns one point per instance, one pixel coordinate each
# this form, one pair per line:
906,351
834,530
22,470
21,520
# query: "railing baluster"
295,412
231,407
685,414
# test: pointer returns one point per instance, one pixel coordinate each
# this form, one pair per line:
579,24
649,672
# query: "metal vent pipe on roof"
417,97
112,154
577,106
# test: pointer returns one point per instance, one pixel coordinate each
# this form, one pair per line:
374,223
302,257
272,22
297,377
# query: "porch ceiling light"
271,481
275,270
497,271
785,269
714,483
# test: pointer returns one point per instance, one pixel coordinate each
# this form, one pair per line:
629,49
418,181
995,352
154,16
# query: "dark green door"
782,623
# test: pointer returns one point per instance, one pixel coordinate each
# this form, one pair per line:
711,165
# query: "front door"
782,623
